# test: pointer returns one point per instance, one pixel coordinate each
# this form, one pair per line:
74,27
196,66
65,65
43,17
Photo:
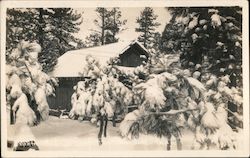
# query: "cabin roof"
71,63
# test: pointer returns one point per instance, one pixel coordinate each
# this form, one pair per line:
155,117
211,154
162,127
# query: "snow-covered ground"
72,135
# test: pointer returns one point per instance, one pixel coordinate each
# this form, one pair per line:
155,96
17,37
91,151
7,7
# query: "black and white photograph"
124,78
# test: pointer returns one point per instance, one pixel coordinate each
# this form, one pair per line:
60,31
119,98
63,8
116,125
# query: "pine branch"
171,112
95,31
29,72
234,114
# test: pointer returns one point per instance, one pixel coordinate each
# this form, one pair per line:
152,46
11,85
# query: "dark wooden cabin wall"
63,93
131,57
131,60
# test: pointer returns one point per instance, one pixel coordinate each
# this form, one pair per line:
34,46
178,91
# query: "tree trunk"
100,130
40,28
12,119
103,27
145,31
114,25
105,125
169,142
113,120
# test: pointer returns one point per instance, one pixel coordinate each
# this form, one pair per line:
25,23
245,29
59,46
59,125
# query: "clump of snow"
209,119
41,100
196,74
202,22
186,73
169,76
215,20
237,44
213,11
92,67
184,20
212,81
219,44
194,37
126,124
153,90
196,84
154,96
15,84
193,23
24,114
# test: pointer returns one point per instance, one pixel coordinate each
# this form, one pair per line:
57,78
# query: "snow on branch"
172,112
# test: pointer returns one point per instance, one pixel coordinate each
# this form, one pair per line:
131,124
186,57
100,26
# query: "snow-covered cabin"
70,66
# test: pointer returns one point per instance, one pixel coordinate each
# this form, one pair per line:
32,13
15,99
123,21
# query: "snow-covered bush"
81,101
105,91
26,82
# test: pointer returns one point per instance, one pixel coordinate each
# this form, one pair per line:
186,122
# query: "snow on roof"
72,62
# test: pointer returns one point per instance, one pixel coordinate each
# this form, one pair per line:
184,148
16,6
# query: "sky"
130,14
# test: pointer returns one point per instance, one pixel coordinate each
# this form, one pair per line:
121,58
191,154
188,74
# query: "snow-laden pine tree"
188,33
27,85
171,98
147,25
221,26
109,23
